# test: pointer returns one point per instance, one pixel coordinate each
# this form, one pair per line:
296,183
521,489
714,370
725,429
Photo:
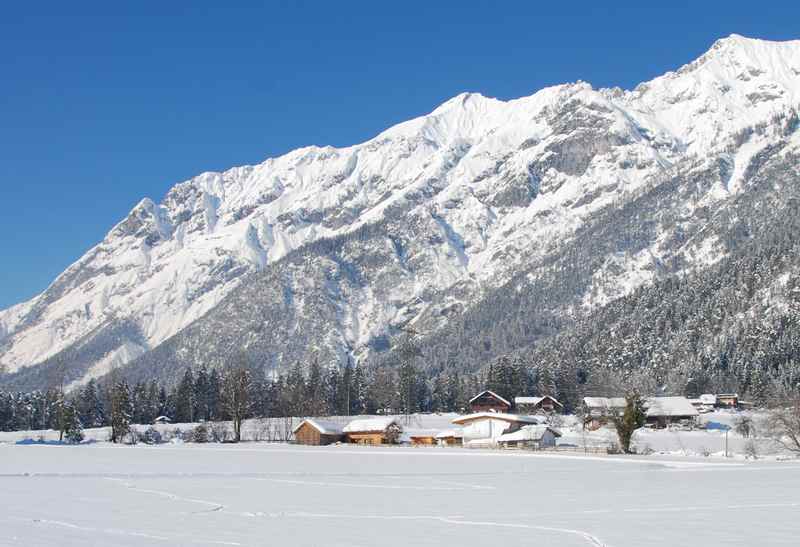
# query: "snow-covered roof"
324,427
493,394
456,433
534,400
419,432
163,419
605,402
708,399
369,425
497,416
527,433
670,406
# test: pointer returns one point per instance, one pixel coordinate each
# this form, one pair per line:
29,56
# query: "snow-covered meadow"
280,494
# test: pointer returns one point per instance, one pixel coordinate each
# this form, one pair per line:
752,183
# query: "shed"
728,400
538,405
663,411
530,436
450,437
317,432
488,400
420,437
482,429
378,430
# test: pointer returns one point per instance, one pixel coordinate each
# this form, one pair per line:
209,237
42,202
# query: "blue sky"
104,103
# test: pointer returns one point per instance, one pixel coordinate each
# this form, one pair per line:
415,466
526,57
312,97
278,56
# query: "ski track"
119,532
214,505
455,520
379,486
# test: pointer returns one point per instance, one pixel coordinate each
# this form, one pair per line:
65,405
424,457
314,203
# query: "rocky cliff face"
571,197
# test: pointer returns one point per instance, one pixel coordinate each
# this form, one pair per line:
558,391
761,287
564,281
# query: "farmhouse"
598,410
538,405
483,429
380,430
663,411
486,401
317,432
450,437
529,436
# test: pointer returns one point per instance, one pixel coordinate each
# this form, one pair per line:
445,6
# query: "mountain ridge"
473,192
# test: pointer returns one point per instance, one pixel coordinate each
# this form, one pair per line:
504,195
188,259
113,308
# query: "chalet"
483,429
317,432
378,430
538,405
664,411
450,437
533,437
597,411
489,401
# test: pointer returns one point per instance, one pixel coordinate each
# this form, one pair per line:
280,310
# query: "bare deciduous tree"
236,386
783,425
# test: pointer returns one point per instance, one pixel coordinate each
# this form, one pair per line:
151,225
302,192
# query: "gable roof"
516,418
670,406
534,400
369,425
456,433
528,433
493,394
324,427
605,403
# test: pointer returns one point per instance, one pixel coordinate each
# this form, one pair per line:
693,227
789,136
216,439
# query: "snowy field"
277,494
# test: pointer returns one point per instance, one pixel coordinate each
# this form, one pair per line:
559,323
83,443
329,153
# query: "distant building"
538,405
378,430
597,411
707,402
728,400
530,436
450,437
162,420
483,429
489,401
664,411
420,437
317,432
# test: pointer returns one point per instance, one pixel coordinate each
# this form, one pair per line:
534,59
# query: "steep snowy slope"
440,210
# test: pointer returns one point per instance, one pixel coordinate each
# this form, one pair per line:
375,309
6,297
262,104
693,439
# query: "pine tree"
184,398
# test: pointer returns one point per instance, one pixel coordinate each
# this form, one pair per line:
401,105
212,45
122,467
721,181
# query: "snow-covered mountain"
427,219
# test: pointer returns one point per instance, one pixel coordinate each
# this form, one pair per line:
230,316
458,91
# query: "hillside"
488,225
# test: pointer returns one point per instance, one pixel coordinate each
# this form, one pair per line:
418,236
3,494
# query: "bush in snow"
199,434
220,432
152,436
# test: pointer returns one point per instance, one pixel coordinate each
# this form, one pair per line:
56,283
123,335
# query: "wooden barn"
664,411
489,401
317,432
534,437
450,437
538,405
482,429
379,430
420,437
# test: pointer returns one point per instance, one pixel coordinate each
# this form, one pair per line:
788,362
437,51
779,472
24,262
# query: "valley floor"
278,494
